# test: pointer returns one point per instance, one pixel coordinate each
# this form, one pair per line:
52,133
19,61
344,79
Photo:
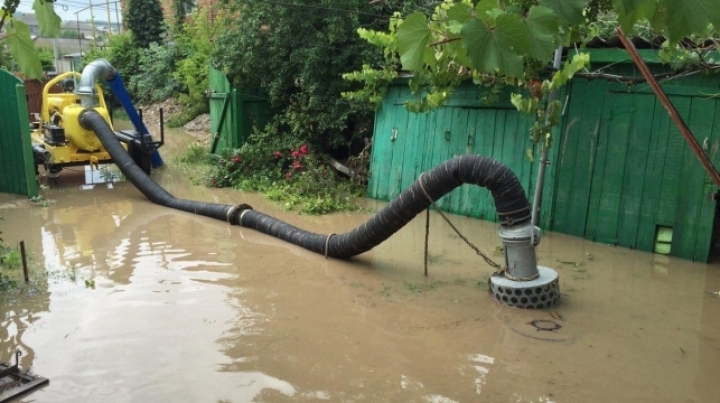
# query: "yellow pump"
59,132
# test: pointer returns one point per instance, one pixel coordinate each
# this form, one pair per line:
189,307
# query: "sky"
67,9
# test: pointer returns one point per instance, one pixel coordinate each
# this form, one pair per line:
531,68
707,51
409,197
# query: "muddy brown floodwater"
189,309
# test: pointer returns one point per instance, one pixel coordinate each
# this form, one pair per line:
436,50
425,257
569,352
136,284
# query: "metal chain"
499,270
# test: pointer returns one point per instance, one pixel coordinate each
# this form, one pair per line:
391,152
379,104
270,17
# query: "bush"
194,47
285,170
153,81
298,55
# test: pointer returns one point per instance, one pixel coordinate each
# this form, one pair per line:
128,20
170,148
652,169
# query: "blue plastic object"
118,88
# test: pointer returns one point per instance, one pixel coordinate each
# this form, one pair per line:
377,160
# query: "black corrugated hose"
511,203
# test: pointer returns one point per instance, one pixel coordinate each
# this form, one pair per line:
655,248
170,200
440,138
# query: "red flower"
288,175
237,159
296,165
277,155
296,154
304,149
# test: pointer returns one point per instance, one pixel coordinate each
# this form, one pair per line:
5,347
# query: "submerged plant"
9,261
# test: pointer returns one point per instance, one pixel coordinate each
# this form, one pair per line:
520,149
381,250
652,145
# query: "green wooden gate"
16,156
626,175
234,113
406,144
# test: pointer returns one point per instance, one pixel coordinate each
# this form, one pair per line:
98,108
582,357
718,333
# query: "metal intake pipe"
98,68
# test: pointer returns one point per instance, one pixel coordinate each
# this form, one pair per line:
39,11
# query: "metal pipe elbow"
98,68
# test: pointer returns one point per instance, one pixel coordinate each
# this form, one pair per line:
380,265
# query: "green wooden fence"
406,144
233,112
16,156
620,171
625,172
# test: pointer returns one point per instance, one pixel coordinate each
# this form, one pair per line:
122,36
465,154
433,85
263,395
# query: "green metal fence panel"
234,112
16,156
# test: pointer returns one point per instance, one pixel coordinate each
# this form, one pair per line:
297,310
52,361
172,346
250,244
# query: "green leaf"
544,27
569,11
497,49
459,12
455,27
631,11
578,62
514,9
413,36
629,6
482,11
47,19
690,17
22,49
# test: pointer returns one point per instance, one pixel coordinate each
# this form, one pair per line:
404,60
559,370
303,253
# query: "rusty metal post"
674,115
24,260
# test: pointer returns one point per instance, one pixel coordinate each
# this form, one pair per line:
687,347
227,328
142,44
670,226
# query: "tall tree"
146,21
181,9
297,50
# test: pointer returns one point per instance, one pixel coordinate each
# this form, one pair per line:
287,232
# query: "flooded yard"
145,303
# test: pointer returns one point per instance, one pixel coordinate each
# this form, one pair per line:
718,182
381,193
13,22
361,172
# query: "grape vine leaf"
490,50
459,12
628,6
543,26
48,21
630,11
569,11
482,11
412,38
690,16
22,49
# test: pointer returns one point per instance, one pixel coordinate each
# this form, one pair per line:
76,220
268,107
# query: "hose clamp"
232,213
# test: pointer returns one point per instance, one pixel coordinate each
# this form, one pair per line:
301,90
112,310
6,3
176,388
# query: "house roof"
67,45
81,25
28,18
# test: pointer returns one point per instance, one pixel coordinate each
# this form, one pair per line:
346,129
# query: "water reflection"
189,309
84,177
159,290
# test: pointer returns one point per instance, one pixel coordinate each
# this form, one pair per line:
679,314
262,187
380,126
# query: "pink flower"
296,165
288,175
304,149
296,154
237,159
277,155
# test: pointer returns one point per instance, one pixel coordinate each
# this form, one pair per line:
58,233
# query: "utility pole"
117,17
92,19
107,7
77,22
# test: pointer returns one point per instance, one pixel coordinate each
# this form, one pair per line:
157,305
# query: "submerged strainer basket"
542,292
